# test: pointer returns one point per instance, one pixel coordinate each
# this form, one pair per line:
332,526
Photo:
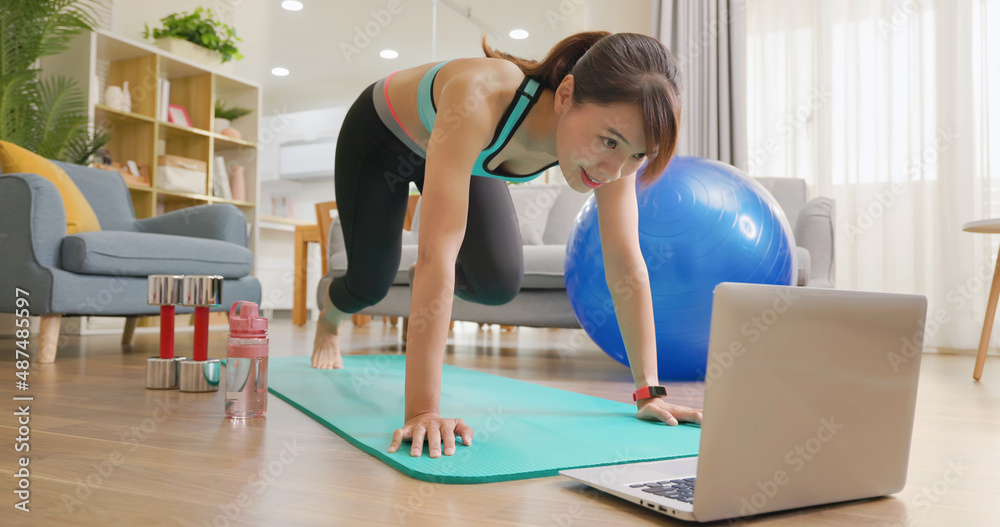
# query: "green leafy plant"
229,112
45,115
200,27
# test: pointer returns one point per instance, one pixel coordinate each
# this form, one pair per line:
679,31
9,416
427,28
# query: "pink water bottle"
246,362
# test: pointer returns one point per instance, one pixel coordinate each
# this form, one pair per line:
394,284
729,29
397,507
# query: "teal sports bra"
527,95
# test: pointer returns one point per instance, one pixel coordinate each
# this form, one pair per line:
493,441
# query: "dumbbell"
165,291
200,374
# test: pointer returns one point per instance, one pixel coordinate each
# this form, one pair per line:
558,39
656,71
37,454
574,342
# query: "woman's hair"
616,68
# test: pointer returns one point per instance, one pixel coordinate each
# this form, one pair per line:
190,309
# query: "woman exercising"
599,105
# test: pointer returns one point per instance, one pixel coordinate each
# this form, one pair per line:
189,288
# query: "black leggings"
372,173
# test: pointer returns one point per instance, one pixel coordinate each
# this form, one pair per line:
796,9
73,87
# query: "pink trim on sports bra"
389,104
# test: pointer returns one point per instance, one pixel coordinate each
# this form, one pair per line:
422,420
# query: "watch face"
649,392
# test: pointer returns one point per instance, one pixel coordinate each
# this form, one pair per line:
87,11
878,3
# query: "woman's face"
597,144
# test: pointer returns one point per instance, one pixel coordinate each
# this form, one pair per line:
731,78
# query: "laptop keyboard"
678,489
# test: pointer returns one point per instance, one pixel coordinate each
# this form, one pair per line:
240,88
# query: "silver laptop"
809,399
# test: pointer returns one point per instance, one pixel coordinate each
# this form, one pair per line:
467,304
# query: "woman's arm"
628,280
625,271
456,142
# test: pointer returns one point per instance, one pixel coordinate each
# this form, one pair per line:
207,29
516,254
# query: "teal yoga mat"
522,430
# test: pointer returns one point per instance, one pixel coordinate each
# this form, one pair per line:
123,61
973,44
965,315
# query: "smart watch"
649,392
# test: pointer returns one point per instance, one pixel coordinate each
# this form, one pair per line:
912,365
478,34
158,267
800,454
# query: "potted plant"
225,115
197,36
45,115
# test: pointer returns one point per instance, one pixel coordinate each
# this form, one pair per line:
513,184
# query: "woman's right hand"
434,429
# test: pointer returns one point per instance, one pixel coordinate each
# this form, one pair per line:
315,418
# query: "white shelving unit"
99,59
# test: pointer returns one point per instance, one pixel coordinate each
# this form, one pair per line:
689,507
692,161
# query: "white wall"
296,126
618,16
275,267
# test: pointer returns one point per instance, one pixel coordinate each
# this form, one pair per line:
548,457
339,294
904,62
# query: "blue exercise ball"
701,223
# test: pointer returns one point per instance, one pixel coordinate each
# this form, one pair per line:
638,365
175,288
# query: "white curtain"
887,106
707,39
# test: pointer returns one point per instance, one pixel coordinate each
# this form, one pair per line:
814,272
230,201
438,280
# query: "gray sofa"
813,223
103,273
546,214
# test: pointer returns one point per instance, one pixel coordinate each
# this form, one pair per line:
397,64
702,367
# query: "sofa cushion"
790,193
804,261
561,203
532,204
415,222
814,230
564,211
337,259
407,257
107,194
544,267
142,254
80,216
338,264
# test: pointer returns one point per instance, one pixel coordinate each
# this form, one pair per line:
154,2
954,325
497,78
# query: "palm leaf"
23,26
46,116
16,97
66,132
63,25
82,150
61,115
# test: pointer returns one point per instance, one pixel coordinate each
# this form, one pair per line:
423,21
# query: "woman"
599,105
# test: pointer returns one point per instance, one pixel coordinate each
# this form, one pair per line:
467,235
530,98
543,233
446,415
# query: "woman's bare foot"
326,347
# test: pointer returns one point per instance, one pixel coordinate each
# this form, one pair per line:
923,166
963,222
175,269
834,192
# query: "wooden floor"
106,451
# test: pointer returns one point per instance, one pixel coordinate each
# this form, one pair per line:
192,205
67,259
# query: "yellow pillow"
80,216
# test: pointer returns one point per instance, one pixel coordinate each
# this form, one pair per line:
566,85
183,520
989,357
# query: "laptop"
809,400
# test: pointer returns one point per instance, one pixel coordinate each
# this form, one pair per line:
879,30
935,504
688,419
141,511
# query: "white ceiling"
318,43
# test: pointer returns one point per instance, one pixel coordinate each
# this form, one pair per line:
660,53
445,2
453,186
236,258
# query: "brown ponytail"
617,68
557,63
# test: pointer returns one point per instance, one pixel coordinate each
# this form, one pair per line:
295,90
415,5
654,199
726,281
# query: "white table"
990,226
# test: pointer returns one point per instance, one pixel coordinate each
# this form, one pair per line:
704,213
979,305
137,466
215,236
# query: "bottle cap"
247,323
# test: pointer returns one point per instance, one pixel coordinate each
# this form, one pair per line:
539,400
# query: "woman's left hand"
658,409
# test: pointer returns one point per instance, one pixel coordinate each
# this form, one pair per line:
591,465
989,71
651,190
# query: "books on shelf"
161,112
220,179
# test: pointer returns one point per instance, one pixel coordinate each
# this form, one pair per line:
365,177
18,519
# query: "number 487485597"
23,323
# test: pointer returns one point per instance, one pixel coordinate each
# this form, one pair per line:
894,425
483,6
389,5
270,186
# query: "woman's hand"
657,409
434,428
